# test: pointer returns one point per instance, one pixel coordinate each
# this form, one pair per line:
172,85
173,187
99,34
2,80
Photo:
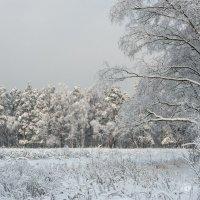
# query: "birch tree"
169,31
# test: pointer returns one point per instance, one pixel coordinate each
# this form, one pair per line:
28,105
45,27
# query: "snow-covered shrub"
20,180
96,174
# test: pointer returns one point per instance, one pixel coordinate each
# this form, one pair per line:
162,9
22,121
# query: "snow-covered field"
87,174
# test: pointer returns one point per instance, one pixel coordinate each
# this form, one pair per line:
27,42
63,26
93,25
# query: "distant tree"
27,116
104,124
52,123
8,122
76,119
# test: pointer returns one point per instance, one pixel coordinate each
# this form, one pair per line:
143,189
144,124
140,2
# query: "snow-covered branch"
120,74
175,119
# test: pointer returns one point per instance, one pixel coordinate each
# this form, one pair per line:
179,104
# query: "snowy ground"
87,174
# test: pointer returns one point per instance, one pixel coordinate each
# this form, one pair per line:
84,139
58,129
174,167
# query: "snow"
87,174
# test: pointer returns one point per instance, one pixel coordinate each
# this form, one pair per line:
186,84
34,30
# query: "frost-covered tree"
76,119
53,107
168,31
27,116
8,122
104,124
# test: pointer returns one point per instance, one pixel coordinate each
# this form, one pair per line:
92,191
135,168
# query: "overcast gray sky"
52,41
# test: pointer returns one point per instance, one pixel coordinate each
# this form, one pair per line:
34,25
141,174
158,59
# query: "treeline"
53,117
58,117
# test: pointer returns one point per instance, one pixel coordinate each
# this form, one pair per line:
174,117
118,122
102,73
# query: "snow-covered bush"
101,174
20,180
